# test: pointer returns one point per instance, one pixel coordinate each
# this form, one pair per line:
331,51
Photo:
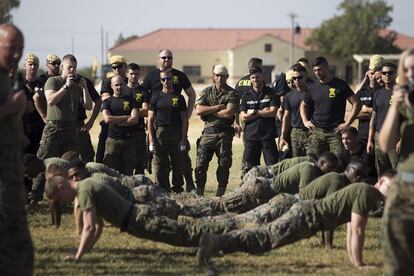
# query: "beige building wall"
278,57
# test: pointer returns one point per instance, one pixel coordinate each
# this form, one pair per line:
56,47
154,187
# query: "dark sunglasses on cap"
388,73
166,79
297,78
55,63
115,67
166,57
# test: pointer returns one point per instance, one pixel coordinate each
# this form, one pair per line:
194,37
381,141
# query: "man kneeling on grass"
349,205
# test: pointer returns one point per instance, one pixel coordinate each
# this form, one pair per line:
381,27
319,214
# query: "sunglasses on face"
297,78
55,63
115,67
166,79
388,73
166,57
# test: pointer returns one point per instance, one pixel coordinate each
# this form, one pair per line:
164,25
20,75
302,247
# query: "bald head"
117,85
11,46
165,59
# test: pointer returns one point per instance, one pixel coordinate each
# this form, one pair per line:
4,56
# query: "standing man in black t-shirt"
142,97
121,113
258,111
299,136
328,97
167,131
86,150
381,103
366,97
118,64
33,123
181,82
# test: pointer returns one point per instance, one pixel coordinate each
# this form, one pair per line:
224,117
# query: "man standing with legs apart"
63,94
328,98
16,250
180,82
167,131
217,107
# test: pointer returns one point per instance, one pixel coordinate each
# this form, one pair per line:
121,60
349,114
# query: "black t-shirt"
292,102
382,101
366,97
118,106
243,85
141,96
43,78
33,118
260,128
346,156
106,85
329,102
94,96
167,108
152,82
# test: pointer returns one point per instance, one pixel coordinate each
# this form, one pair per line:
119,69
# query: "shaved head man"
16,249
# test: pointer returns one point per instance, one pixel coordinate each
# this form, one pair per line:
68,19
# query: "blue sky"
59,26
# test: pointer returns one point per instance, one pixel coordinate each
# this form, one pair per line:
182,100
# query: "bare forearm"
285,120
225,114
207,110
40,105
356,107
115,119
304,112
86,241
357,244
191,100
87,100
53,98
266,113
388,135
95,111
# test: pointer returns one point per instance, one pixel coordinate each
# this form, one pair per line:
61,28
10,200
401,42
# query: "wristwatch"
65,86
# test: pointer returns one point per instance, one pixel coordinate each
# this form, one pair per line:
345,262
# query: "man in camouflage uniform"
16,249
63,94
349,205
217,106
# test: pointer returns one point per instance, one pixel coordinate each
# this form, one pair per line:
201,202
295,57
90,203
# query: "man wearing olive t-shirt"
328,98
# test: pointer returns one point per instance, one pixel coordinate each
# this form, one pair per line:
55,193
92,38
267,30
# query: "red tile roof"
222,39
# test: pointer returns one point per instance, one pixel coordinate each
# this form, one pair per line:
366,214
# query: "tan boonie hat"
289,75
117,59
52,58
32,57
375,61
220,70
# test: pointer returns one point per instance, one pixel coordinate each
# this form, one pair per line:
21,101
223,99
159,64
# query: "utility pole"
292,36
102,46
73,45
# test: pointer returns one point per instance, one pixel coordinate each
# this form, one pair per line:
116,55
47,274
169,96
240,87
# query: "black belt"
127,218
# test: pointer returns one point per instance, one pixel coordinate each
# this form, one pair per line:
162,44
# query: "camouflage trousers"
384,161
300,142
322,140
245,198
302,221
85,146
120,154
262,214
258,171
16,249
58,137
398,229
219,144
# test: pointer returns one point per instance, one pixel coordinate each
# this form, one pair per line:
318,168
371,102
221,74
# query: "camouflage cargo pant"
384,161
141,151
208,145
245,198
57,138
262,214
300,141
94,167
16,249
120,154
302,221
168,155
325,140
86,150
398,229
258,171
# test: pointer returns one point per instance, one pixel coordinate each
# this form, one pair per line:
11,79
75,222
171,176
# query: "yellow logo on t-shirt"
175,79
138,96
245,83
332,92
126,105
174,101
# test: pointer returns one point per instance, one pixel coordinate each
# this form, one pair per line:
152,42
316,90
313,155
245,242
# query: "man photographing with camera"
63,94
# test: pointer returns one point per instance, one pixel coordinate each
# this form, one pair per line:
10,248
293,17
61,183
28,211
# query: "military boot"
189,183
220,191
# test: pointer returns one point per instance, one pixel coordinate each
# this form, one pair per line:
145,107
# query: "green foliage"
356,30
5,7
121,39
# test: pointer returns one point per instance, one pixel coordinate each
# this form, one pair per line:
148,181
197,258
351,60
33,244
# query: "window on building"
192,70
268,47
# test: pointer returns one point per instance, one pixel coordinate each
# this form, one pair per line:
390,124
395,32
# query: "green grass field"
118,253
